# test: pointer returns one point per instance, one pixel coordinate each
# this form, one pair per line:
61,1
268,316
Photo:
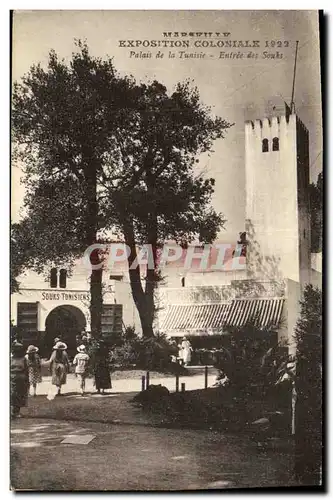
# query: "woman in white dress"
186,351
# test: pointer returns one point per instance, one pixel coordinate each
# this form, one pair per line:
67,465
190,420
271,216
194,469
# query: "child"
19,379
34,367
81,362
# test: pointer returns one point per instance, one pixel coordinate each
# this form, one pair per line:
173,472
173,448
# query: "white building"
278,261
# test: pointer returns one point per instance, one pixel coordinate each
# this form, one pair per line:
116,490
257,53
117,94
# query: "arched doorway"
65,322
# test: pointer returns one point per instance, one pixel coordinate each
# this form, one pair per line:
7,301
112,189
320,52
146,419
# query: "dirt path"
133,457
130,452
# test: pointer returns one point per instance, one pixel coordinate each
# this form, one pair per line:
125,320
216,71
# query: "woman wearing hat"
186,351
19,379
81,362
34,367
59,365
101,367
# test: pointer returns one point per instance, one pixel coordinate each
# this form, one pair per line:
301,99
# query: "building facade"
267,284
278,259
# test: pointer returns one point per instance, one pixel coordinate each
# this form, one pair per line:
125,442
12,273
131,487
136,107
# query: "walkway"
132,384
128,451
138,458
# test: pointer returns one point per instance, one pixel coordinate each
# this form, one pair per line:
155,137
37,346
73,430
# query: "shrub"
145,353
248,345
126,355
308,383
155,394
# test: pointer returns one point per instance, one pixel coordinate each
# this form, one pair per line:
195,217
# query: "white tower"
277,208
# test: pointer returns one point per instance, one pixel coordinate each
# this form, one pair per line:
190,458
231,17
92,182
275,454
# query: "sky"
236,89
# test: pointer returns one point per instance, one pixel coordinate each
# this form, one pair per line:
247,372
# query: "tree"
308,384
254,350
316,213
112,154
160,196
18,260
62,120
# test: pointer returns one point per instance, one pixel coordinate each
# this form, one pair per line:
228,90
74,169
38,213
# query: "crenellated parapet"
270,127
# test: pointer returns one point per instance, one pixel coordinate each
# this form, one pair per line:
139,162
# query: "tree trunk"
138,294
96,299
151,275
96,296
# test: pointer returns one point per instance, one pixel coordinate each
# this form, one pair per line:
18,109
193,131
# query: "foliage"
254,357
152,353
154,397
308,333
101,153
18,258
159,195
316,212
129,333
62,117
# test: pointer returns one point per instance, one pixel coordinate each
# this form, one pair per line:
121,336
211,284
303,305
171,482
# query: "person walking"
59,365
186,351
180,354
81,362
34,367
19,379
101,367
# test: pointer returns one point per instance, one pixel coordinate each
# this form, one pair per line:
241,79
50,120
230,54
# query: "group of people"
184,352
26,370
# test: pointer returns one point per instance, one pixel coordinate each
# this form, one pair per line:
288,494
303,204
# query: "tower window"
54,278
265,145
276,145
183,282
63,278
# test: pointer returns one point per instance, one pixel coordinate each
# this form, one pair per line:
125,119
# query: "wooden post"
143,383
183,387
177,383
206,377
147,380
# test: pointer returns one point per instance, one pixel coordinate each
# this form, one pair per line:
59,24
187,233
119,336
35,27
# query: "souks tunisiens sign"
65,296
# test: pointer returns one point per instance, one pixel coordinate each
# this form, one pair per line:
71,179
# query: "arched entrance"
65,322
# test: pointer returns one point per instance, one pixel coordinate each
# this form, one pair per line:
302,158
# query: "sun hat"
81,348
17,345
32,348
61,346
57,339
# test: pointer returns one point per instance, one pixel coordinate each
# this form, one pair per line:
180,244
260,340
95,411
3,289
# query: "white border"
4,184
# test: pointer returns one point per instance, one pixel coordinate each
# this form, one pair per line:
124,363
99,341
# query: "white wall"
316,261
271,205
316,279
293,297
36,288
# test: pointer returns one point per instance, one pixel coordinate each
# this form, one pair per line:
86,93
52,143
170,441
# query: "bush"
152,396
242,361
145,353
125,355
308,421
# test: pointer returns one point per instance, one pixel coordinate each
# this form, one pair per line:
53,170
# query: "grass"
217,408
